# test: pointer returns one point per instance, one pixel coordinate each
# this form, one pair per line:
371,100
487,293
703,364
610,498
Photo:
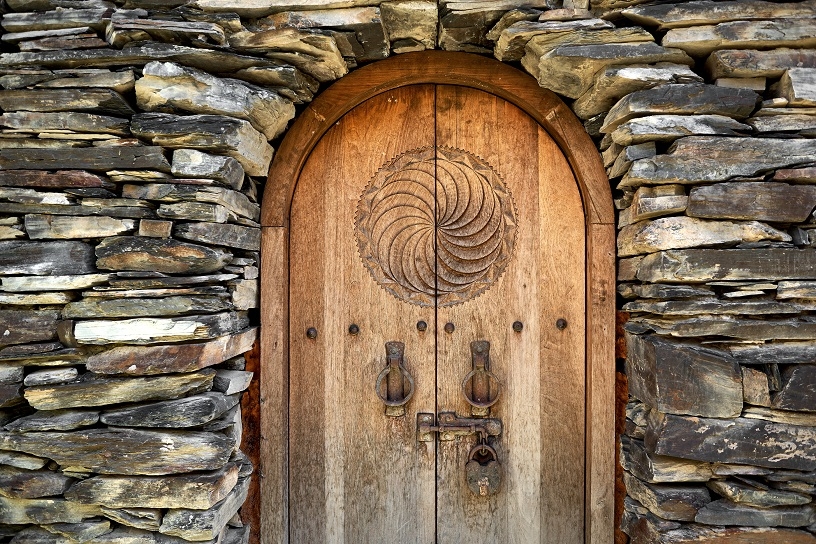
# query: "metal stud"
422,326
561,324
518,326
449,328
353,329
311,333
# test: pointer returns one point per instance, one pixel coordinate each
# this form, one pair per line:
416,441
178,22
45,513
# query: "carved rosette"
436,225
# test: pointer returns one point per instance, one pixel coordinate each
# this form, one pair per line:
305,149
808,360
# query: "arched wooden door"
438,376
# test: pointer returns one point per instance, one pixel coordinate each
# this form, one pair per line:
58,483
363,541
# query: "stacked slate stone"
705,114
135,138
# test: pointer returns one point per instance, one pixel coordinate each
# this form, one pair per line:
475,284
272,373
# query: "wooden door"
451,207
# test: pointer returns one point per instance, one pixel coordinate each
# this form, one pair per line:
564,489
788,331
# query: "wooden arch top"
447,68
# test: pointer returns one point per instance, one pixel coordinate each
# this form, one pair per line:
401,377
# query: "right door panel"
538,244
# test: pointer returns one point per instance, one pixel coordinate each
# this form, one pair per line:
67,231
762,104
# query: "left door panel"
356,475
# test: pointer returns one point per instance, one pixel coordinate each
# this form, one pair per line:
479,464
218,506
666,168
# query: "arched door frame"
518,88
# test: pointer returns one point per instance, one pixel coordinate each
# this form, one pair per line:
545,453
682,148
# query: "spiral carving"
435,225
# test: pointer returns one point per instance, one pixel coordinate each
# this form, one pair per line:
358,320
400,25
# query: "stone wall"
134,142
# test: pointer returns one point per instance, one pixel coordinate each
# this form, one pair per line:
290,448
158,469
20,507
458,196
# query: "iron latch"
449,426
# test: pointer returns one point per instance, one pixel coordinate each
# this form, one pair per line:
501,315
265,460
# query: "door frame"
520,89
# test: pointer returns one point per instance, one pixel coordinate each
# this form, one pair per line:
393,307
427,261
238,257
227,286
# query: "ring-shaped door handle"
395,377
481,387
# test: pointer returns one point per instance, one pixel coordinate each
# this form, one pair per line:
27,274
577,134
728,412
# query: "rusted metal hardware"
518,326
311,333
354,329
449,328
481,387
422,326
394,386
449,426
482,471
561,324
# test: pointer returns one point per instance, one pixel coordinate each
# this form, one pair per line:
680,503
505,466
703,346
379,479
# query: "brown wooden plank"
542,447
274,386
600,431
355,474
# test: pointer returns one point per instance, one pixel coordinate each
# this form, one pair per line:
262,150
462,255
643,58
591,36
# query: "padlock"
483,471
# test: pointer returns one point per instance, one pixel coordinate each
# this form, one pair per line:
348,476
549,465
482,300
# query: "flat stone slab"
702,159
21,284
37,122
753,63
698,13
215,133
260,8
127,451
45,258
725,512
760,201
360,29
701,265
667,128
798,389
54,420
104,101
18,483
197,164
166,306
700,41
44,511
92,390
136,360
235,202
159,255
23,326
513,39
674,502
195,491
314,53
79,532
170,85
683,379
682,99
199,525
570,69
148,519
156,330
43,226
227,235
798,86
613,83
753,330
757,496
653,468
738,440
411,22
679,232
85,158
796,289
172,414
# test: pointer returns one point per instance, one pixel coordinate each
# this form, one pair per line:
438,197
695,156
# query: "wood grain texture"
356,475
273,379
542,368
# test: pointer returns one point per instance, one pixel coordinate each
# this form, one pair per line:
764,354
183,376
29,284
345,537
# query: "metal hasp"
449,426
398,384
481,387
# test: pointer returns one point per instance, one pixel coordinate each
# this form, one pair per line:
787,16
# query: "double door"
443,224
